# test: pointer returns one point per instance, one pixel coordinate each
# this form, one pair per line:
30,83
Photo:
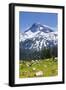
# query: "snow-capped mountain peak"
38,36
38,27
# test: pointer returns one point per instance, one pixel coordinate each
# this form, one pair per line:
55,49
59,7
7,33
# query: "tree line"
44,53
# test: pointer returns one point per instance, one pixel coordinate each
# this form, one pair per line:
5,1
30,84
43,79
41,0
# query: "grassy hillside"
48,67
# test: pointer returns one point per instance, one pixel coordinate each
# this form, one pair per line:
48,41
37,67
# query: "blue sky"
26,19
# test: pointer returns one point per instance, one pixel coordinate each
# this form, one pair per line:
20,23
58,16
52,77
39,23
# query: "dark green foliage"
50,52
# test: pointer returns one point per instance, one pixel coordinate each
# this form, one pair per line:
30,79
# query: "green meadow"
38,68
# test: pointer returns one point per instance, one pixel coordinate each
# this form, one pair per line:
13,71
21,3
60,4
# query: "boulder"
39,73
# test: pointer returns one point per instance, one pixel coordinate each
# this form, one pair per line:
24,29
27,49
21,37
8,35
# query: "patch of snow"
41,28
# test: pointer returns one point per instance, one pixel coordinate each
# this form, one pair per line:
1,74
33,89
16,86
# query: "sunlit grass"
49,67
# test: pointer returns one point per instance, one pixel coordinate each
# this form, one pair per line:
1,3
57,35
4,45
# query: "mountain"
37,37
38,27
